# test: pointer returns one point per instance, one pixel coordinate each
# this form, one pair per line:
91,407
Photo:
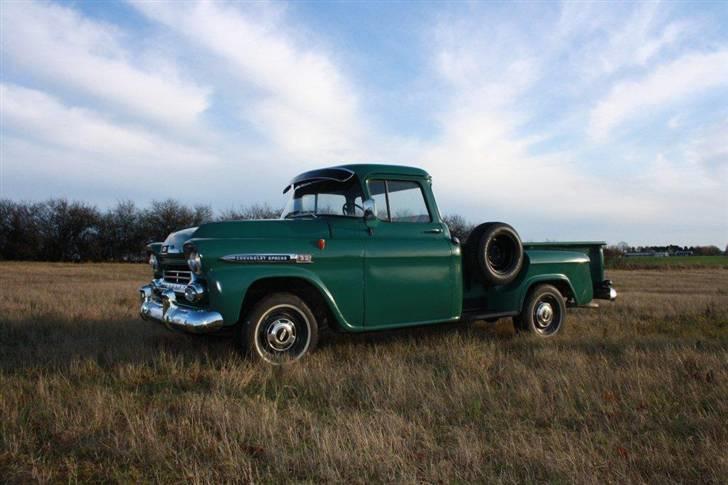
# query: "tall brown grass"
636,391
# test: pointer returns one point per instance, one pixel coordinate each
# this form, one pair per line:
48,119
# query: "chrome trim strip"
160,284
258,258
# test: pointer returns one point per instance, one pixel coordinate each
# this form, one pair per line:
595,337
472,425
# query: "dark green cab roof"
342,173
364,170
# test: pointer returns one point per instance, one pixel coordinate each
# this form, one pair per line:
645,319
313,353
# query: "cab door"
408,259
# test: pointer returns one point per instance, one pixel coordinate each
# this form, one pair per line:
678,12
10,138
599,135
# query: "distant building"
649,253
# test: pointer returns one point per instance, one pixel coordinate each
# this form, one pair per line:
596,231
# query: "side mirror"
370,213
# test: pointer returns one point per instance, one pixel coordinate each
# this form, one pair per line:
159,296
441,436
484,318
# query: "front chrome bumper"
160,305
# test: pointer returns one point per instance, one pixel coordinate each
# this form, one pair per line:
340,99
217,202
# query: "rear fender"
561,281
594,250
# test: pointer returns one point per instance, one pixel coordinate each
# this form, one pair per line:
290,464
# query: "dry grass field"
669,263
634,392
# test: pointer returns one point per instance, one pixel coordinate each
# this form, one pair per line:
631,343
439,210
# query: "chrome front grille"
177,277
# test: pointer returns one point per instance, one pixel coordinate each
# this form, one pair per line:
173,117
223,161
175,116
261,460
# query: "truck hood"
176,240
262,229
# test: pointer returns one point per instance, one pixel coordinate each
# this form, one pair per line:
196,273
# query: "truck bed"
593,249
558,263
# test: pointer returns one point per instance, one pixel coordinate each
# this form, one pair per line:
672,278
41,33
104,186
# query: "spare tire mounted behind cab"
494,252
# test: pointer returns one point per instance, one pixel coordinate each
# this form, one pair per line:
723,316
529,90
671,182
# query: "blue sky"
571,120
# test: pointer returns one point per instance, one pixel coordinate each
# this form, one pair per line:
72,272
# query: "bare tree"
166,216
23,239
255,211
459,227
122,235
68,229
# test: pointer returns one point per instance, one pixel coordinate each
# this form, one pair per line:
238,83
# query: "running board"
476,315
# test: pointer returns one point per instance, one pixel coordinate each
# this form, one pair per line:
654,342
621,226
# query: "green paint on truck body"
395,274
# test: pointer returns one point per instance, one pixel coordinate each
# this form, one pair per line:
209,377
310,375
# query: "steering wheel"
347,206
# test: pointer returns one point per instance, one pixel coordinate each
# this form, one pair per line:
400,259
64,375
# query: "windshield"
325,197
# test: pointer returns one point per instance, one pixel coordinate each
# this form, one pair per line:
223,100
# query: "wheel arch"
311,291
560,281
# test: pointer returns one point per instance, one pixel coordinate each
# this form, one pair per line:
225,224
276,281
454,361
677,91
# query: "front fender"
228,286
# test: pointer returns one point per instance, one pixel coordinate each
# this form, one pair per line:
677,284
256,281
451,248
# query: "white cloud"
303,102
65,49
651,47
600,42
485,162
686,193
668,83
483,158
638,39
498,117
496,64
709,151
44,119
674,122
480,161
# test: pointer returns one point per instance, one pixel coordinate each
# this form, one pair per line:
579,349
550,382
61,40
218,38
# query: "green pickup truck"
361,248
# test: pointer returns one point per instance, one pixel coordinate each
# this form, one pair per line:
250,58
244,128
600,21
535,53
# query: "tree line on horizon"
62,230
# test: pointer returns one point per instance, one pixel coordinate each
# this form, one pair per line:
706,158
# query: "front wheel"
279,329
543,313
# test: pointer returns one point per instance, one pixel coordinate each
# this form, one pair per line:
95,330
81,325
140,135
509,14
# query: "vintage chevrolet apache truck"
361,248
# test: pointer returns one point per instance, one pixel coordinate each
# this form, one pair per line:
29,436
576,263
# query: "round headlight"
153,262
194,262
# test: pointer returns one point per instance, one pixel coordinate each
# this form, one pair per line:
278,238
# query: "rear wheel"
280,329
543,313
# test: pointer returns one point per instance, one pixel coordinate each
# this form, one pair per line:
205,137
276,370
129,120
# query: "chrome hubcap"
281,334
544,314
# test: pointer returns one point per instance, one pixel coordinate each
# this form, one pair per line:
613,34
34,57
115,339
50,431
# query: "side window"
378,192
399,201
407,202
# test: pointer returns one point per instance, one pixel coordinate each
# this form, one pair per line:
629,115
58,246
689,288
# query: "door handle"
436,230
